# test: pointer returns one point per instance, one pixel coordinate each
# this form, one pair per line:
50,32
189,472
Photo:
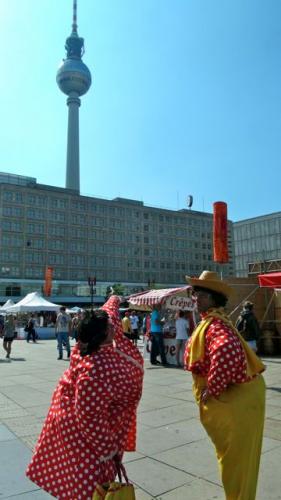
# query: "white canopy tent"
74,310
5,306
33,302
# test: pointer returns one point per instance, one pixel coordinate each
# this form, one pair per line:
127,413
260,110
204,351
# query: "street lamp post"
92,283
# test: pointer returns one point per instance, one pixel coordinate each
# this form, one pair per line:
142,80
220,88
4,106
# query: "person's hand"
204,395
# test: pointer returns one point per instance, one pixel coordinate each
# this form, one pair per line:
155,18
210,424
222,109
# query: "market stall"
5,306
171,301
34,302
271,336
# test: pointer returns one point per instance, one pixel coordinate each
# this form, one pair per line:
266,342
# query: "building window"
56,244
36,228
13,291
58,203
12,211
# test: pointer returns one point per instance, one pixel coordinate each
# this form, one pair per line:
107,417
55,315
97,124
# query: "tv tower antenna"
74,79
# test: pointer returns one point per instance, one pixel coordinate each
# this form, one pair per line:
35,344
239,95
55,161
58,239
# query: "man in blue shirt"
156,331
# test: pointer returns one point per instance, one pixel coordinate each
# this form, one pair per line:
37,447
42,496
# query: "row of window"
82,220
258,229
259,245
89,206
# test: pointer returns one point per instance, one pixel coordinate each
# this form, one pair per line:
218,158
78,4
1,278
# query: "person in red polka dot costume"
92,417
228,387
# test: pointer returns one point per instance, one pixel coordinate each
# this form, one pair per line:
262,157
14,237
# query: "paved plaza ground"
175,459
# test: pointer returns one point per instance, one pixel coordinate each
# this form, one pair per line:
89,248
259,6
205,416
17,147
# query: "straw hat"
211,281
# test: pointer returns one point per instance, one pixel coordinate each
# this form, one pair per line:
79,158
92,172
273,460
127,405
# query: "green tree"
118,289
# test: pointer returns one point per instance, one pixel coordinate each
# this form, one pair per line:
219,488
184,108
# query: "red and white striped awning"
172,298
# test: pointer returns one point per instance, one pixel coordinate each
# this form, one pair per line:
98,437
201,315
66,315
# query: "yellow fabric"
114,491
197,347
234,421
126,325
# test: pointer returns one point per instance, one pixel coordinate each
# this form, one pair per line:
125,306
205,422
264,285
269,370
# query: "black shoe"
60,357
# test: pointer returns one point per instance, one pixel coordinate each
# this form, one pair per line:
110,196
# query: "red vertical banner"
48,281
220,232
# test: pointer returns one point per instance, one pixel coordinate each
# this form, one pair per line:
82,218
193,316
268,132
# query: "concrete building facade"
118,241
257,244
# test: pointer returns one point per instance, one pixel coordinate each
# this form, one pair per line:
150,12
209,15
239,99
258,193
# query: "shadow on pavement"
277,389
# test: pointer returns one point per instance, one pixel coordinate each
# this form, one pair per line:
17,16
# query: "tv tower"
74,79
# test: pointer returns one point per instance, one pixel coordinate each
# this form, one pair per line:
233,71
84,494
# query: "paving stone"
24,396
189,458
160,478
272,428
269,480
5,434
270,444
131,456
14,457
164,416
142,495
24,426
39,411
272,411
159,439
198,489
154,402
30,441
31,495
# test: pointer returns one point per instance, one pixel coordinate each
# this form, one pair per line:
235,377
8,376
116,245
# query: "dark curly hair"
92,331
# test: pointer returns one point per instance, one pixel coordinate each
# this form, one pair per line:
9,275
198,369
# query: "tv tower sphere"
74,76
74,79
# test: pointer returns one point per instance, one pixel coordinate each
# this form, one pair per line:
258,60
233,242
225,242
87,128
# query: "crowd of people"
92,417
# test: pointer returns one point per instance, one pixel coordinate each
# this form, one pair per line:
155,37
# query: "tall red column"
220,242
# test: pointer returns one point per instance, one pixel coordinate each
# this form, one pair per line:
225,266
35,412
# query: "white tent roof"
7,304
74,310
33,302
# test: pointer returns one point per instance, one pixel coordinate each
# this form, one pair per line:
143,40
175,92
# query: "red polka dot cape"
224,362
91,418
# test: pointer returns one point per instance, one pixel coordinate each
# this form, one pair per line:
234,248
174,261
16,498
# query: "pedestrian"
31,333
1,325
126,325
9,334
134,320
146,325
228,387
63,330
74,325
248,326
182,331
92,418
157,342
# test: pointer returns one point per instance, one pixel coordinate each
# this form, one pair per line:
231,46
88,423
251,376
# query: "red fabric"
91,418
224,362
129,349
270,280
220,242
48,281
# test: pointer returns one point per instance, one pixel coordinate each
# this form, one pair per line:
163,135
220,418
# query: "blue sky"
185,99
